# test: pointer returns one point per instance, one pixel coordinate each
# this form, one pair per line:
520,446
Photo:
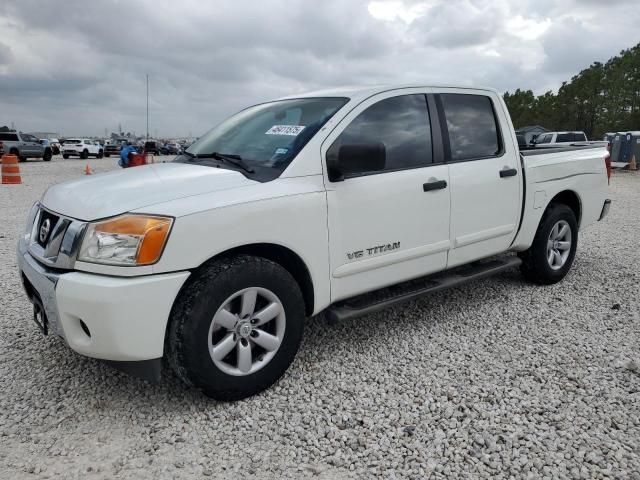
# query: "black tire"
107,155
47,155
100,154
15,152
85,154
193,311
535,266
65,156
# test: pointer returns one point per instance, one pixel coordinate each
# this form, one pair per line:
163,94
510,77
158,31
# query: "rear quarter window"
472,126
8,137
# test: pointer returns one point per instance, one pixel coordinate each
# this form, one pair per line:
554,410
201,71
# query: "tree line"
602,98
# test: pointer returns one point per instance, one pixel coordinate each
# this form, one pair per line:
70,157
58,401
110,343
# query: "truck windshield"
265,136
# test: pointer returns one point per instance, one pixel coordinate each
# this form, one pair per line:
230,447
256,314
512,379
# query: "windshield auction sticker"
292,130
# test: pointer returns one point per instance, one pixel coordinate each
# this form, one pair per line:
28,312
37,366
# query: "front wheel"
236,327
100,154
85,154
65,156
47,155
551,254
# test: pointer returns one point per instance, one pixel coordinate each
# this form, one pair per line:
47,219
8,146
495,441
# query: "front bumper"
120,319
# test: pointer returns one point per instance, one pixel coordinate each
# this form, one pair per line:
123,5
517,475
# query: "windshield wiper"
233,160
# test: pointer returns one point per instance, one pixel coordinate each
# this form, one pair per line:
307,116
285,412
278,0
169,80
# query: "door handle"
437,185
508,172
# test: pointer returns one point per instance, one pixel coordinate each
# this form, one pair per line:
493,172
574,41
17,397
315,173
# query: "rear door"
485,174
391,224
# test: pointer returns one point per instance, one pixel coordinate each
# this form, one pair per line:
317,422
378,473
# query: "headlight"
30,220
127,240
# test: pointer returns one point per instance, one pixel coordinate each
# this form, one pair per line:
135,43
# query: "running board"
403,292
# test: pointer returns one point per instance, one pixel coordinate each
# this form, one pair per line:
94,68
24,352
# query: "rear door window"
564,137
472,126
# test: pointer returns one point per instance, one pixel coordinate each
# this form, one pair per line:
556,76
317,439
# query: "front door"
486,176
387,223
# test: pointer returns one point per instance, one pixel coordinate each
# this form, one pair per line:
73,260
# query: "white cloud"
527,28
393,10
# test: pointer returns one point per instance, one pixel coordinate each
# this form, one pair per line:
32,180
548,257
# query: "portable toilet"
635,146
626,147
616,147
608,137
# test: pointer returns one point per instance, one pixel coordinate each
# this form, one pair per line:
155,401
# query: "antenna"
147,106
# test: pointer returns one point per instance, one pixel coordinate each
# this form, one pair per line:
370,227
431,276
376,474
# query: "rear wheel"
14,151
236,328
551,254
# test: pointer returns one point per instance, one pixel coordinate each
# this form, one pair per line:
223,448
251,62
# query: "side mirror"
355,158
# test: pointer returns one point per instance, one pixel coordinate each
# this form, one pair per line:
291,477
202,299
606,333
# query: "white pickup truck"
343,202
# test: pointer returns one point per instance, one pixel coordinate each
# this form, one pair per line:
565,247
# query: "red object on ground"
137,159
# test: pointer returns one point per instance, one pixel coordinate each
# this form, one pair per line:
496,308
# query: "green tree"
601,98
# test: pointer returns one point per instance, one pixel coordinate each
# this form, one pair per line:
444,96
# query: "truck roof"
361,92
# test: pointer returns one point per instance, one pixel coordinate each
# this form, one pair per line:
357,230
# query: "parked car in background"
152,147
47,143
24,146
113,147
348,202
55,145
171,149
559,139
81,147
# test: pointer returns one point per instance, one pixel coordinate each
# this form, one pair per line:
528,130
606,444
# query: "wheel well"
284,257
570,199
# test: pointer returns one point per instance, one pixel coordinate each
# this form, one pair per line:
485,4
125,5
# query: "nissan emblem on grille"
44,230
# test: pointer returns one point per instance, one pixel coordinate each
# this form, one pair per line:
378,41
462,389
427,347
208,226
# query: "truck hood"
108,194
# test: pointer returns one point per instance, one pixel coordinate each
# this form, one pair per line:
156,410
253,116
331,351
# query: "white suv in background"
560,139
81,147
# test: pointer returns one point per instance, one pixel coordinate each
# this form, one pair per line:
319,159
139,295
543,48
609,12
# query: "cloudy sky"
78,67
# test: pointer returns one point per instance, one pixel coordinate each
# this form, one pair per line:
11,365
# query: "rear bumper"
120,319
605,209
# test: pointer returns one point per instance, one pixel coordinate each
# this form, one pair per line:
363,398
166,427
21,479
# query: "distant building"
47,135
531,132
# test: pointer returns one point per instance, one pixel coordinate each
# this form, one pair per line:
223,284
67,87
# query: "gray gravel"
498,379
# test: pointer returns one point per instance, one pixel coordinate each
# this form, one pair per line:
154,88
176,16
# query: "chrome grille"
55,239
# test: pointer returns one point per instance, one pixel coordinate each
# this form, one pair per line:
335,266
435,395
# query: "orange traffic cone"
632,163
10,170
87,170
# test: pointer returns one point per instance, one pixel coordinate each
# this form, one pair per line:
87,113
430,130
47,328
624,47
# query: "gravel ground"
497,379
